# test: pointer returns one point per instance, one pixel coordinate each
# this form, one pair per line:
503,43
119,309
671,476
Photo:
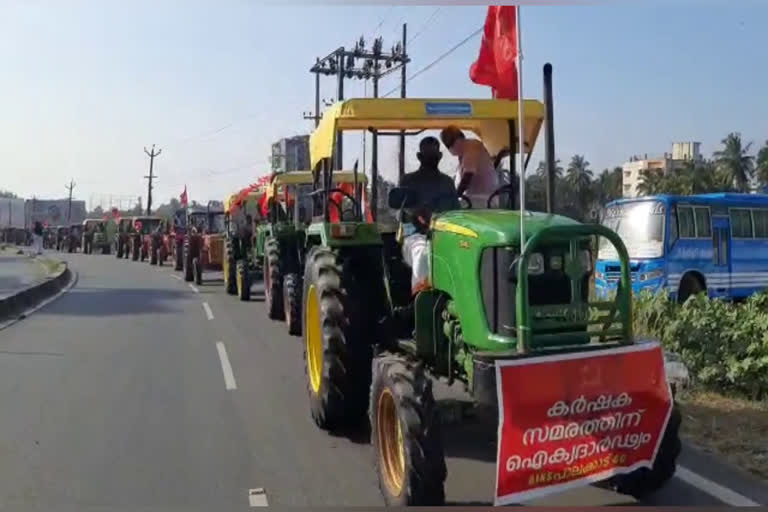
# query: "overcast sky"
85,85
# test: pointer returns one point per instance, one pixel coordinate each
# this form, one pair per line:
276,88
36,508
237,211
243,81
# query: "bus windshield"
640,226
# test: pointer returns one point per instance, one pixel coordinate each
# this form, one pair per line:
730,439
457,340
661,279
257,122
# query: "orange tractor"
203,241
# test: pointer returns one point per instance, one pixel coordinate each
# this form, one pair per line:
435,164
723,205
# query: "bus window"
741,223
703,224
760,217
640,225
673,226
686,222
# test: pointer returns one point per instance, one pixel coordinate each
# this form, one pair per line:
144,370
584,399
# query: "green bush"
724,344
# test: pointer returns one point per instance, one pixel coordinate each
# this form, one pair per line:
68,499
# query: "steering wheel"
509,189
355,204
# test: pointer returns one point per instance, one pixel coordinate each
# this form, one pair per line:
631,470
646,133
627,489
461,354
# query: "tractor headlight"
556,262
536,264
586,260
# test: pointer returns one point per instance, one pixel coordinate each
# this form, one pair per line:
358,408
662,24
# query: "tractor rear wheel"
160,258
405,433
230,270
273,280
135,249
153,255
188,271
642,482
292,303
197,270
337,357
178,257
243,282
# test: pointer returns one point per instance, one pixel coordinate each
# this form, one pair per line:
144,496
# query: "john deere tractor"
492,297
238,264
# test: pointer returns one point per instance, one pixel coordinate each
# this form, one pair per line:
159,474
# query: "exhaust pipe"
549,138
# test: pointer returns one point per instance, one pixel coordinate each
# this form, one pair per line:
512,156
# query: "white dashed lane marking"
257,497
716,490
208,312
194,288
226,368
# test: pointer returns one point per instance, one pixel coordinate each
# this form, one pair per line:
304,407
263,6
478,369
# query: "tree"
735,160
578,176
762,166
607,186
96,213
651,182
7,194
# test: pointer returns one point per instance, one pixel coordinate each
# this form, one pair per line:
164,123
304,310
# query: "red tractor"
174,239
204,243
140,237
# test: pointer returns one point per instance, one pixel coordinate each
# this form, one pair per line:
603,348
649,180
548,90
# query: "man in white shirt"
477,177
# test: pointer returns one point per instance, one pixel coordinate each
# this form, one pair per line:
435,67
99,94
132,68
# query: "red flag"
496,65
183,196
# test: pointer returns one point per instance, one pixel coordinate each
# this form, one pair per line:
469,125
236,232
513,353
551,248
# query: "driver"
477,177
436,192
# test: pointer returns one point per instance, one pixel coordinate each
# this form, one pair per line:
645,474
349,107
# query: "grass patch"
732,428
50,267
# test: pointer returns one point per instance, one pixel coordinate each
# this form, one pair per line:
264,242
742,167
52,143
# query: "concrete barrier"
17,305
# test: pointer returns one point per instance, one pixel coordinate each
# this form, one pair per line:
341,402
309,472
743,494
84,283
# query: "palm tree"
762,165
733,158
651,181
579,178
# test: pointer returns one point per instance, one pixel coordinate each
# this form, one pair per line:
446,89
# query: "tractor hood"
496,227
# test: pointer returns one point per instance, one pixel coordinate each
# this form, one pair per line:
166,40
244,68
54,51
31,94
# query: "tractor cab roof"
92,222
307,178
244,195
489,119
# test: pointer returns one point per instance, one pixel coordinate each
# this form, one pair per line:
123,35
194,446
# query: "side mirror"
402,197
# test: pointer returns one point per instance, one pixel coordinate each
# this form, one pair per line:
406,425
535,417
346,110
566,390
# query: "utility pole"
375,64
401,156
69,206
151,154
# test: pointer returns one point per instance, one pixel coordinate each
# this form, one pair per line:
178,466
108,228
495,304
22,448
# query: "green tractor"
281,240
238,264
371,347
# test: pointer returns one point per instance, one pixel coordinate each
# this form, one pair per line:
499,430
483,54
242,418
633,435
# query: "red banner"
572,419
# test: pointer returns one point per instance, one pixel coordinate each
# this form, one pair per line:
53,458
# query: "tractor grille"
499,285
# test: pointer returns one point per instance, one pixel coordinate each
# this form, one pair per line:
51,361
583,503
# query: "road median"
18,304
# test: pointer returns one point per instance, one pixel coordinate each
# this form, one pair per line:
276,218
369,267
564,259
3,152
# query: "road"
135,390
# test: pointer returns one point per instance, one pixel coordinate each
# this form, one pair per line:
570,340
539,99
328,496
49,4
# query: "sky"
85,86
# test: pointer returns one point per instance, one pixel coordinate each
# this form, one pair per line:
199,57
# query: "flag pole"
520,129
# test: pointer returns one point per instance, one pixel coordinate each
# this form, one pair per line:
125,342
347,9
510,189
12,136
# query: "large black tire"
292,303
273,280
642,482
189,274
135,250
401,402
178,263
337,354
243,282
159,257
118,250
230,270
197,270
153,255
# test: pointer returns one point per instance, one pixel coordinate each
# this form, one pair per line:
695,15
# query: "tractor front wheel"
159,257
197,270
642,482
178,254
189,275
135,249
230,270
273,281
405,434
153,255
243,282
292,303
337,361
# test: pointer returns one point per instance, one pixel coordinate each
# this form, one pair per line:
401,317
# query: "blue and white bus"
716,243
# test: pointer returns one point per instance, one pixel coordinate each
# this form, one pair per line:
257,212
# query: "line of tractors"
333,272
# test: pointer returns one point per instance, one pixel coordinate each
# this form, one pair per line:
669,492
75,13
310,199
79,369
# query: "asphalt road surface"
135,390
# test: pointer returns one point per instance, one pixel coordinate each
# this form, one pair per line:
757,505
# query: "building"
291,154
633,169
54,212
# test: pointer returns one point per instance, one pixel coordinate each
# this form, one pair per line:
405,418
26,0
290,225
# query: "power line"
437,60
425,25
375,31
